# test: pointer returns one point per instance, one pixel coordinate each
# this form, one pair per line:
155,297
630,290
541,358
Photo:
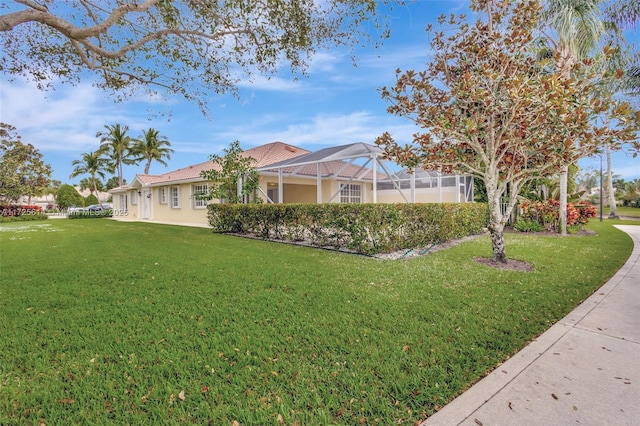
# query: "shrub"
586,210
24,218
90,214
67,196
21,213
546,213
91,199
19,210
363,228
527,225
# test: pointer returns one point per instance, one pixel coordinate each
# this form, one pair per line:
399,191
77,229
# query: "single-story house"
49,200
354,173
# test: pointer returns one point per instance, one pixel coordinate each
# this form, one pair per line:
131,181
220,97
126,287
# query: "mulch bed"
510,265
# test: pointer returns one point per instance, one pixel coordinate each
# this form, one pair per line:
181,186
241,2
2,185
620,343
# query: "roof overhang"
338,153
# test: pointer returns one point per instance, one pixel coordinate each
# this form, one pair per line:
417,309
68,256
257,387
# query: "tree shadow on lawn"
521,265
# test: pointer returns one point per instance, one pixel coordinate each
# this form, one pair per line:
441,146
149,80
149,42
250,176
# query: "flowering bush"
13,210
13,213
586,210
546,213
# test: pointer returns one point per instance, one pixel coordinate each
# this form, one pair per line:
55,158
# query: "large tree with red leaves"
486,107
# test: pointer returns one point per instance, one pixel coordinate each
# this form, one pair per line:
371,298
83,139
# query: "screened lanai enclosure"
357,173
423,186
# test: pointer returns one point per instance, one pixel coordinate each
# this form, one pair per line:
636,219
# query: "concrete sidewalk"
585,370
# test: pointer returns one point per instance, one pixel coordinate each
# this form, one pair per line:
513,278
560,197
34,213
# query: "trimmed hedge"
363,228
24,218
90,215
21,213
19,210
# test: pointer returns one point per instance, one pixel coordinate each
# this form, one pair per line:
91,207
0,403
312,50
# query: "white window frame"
195,202
162,195
123,202
134,197
174,197
351,193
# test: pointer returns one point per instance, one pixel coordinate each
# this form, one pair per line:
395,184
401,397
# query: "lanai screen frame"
346,153
412,176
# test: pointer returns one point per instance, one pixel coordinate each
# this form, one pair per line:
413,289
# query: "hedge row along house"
354,173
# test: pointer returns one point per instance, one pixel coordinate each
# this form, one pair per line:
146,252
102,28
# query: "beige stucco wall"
120,210
295,190
303,190
185,213
162,212
423,195
296,193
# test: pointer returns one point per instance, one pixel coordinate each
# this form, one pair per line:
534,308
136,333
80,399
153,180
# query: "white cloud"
324,62
317,131
68,118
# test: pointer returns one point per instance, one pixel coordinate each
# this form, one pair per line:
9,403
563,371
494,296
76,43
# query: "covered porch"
356,173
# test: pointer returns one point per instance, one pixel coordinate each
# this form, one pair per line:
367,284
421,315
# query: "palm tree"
53,190
625,14
115,143
151,146
632,81
579,28
86,183
92,164
112,182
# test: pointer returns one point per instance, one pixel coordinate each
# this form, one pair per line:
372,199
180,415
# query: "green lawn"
104,322
623,211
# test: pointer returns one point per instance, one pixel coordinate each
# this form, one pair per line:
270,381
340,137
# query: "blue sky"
337,103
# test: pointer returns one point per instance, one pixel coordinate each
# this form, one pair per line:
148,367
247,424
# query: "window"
351,193
199,203
162,195
134,198
449,182
175,197
123,203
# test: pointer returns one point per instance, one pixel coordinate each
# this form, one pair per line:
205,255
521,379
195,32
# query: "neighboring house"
49,200
289,174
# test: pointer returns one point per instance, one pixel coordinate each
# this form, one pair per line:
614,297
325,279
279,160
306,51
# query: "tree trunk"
496,222
146,168
565,64
95,187
497,243
613,212
562,214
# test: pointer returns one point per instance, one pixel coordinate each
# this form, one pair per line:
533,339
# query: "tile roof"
274,152
331,162
186,173
264,154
